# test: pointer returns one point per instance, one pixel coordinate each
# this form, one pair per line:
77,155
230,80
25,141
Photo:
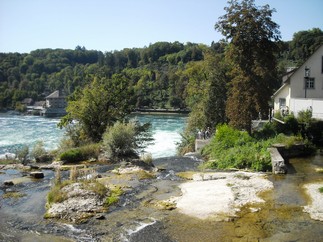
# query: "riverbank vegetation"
230,81
234,149
237,88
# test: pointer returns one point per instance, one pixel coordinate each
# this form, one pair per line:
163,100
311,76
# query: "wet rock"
35,167
8,183
37,174
138,163
99,217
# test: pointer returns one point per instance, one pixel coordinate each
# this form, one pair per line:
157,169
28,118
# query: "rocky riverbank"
172,201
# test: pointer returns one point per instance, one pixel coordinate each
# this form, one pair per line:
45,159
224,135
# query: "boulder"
37,174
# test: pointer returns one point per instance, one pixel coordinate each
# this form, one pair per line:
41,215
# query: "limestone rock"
79,204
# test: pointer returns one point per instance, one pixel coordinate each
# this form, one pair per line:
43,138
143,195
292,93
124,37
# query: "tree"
305,43
99,105
252,35
217,91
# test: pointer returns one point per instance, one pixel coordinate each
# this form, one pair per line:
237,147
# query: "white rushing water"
16,131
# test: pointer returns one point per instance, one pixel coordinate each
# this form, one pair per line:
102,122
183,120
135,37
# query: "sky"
108,25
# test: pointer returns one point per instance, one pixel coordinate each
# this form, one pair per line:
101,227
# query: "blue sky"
107,25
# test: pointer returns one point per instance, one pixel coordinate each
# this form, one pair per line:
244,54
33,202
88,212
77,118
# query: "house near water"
302,88
55,105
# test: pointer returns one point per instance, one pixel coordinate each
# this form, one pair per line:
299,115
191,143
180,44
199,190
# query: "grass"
114,196
321,189
56,195
142,175
95,187
8,162
14,195
234,149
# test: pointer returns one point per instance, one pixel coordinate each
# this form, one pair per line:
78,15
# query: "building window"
310,83
282,102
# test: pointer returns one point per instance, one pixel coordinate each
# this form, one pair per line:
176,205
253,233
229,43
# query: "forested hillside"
162,75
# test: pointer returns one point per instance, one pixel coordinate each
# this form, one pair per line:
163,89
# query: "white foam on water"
141,226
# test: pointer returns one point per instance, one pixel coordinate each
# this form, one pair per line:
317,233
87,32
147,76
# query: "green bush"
72,155
22,154
119,141
231,148
82,153
290,127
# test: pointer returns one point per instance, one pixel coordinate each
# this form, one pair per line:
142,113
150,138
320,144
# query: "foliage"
305,116
187,143
72,155
82,153
99,105
22,154
38,150
56,195
114,196
95,187
147,158
310,128
231,148
124,140
251,54
304,43
152,70
291,126
321,189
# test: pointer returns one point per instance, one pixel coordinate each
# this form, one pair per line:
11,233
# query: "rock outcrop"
80,203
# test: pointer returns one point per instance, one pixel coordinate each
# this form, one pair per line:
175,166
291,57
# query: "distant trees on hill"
151,70
162,75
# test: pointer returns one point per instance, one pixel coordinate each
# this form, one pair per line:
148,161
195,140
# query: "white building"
302,88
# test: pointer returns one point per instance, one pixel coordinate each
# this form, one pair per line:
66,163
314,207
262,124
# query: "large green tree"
252,37
99,105
304,44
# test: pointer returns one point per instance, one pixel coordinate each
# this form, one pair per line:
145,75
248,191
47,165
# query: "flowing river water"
280,218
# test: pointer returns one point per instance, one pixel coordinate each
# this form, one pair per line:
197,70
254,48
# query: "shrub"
39,153
147,158
56,195
22,154
291,125
187,143
72,155
80,153
268,131
231,148
119,141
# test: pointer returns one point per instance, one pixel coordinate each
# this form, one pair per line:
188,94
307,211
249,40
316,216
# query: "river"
280,218
18,130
